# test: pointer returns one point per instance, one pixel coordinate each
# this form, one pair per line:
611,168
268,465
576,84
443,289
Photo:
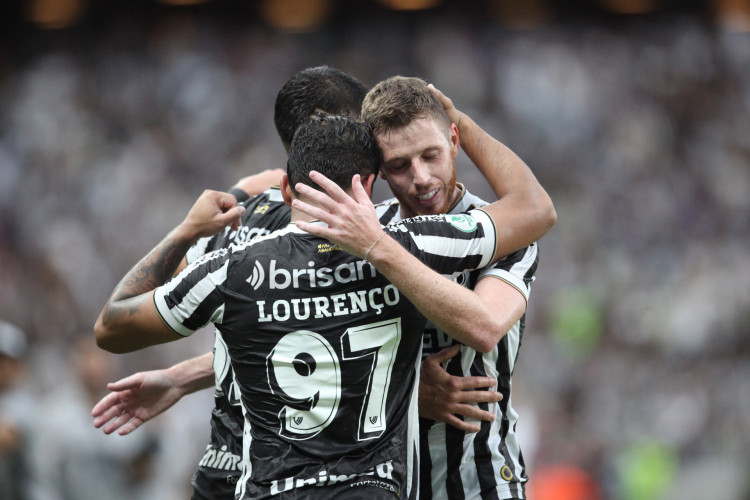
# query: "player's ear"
286,190
367,183
454,140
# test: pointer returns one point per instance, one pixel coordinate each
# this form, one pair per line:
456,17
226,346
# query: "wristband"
367,253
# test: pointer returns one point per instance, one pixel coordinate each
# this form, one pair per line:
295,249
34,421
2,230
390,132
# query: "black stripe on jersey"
425,460
389,214
454,444
506,263
529,276
203,312
482,453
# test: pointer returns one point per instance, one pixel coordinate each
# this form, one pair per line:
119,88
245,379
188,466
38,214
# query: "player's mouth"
428,197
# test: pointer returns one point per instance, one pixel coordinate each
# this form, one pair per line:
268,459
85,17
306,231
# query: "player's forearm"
193,374
451,307
155,268
524,212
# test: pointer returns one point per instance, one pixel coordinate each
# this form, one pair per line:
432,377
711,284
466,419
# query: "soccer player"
477,456
307,94
315,333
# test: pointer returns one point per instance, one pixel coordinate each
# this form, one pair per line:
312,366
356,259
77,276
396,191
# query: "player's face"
419,166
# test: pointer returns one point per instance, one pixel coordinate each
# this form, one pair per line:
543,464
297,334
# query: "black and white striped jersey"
325,350
220,467
488,464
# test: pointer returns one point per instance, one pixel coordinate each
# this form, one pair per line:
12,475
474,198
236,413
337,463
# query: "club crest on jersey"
462,222
327,247
262,209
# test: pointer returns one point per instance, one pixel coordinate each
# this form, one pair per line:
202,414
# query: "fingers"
445,354
444,100
130,426
458,423
311,210
333,189
472,412
470,383
314,229
104,404
233,217
108,415
472,397
130,382
226,200
360,195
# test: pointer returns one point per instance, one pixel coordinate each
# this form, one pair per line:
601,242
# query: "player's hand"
257,183
352,222
134,400
454,114
212,212
445,397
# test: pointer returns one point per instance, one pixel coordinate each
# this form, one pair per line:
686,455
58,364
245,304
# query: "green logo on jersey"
462,222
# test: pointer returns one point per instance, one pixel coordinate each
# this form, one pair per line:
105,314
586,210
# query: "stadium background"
634,115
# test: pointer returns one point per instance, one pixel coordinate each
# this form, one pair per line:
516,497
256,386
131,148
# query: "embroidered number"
304,370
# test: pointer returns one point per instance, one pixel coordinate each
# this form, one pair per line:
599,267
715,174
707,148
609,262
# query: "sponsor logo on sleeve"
462,222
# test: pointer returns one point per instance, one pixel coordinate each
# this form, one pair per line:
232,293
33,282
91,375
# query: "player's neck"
297,215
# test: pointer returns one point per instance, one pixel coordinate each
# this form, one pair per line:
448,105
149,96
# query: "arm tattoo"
153,270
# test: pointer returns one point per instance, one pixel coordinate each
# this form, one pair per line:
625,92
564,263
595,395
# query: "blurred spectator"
17,414
75,460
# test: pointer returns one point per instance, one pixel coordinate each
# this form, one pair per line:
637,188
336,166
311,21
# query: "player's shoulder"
388,211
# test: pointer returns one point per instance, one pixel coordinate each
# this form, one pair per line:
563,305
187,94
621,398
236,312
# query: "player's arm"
138,398
354,226
129,320
257,183
445,397
524,212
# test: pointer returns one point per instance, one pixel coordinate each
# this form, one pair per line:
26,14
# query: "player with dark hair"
315,92
141,396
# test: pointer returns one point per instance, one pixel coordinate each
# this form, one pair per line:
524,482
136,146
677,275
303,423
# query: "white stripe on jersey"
515,279
247,465
412,483
174,317
198,249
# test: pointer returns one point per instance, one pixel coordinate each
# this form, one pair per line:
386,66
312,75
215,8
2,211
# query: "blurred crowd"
635,362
